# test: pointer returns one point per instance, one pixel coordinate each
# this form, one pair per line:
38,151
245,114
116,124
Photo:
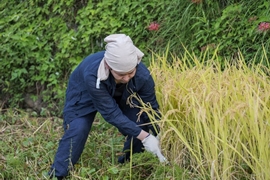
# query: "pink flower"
264,26
153,26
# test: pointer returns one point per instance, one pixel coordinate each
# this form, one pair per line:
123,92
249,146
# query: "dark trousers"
71,145
73,141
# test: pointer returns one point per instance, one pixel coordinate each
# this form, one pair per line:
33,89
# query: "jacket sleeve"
148,95
108,108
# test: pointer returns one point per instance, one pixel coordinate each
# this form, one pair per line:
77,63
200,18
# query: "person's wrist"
147,136
143,134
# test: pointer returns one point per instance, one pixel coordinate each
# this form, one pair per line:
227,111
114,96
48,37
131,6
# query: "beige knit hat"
121,55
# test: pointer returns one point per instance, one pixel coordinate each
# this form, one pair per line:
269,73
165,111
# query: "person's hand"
151,144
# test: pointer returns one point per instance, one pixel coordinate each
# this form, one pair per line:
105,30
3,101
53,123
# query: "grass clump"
147,166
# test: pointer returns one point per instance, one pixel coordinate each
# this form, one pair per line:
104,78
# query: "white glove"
151,144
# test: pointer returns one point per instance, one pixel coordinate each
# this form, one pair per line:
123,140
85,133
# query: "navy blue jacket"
82,96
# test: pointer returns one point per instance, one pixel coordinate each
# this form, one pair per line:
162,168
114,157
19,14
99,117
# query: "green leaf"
113,170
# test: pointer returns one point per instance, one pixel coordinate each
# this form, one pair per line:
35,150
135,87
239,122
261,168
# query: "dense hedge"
42,41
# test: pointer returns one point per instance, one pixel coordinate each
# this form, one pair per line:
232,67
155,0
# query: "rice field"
215,116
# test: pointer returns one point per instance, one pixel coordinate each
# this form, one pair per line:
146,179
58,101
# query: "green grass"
28,145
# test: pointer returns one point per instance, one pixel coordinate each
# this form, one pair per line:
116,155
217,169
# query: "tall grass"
215,117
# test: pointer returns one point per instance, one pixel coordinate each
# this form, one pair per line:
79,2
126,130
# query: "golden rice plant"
215,117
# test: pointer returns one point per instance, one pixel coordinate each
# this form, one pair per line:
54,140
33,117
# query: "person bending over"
102,83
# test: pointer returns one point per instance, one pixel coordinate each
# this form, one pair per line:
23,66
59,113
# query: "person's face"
123,77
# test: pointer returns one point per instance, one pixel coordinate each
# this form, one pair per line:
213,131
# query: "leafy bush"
34,57
43,41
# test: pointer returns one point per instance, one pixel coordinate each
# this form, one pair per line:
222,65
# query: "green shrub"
42,42
33,56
